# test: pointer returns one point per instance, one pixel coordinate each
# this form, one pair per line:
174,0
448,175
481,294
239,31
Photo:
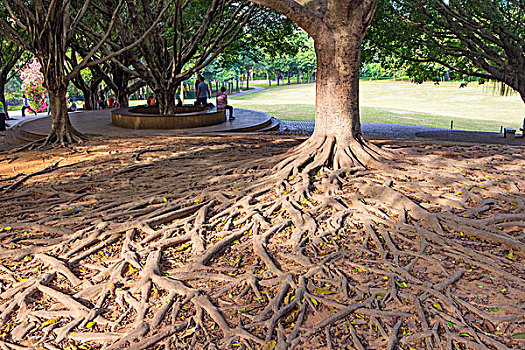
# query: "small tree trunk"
89,101
121,80
247,79
2,98
269,78
123,100
289,77
165,99
278,77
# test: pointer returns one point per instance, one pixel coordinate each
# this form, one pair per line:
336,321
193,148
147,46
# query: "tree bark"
520,86
89,90
337,89
90,99
269,78
62,131
2,97
119,84
53,71
165,98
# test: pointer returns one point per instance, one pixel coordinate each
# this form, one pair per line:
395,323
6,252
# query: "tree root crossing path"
259,243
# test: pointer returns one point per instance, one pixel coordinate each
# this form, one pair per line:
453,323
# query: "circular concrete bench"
185,117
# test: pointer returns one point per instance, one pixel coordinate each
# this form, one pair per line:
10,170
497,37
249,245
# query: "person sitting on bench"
222,102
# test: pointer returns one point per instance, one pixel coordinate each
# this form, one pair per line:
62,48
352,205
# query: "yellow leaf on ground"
182,247
322,291
270,345
438,306
51,321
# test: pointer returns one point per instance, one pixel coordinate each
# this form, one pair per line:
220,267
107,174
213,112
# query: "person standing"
48,105
26,106
222,102
197,82
202,91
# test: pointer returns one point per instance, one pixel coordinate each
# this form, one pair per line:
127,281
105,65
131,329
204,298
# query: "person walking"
202,92
26,106
222,102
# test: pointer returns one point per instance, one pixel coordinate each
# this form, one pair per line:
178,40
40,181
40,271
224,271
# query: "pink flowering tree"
32,85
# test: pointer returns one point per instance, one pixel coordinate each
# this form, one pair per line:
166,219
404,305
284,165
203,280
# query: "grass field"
476,107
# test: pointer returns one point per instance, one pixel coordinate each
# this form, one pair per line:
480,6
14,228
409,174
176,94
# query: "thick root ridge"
335,248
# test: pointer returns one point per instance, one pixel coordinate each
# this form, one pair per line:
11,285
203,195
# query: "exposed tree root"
344,244
60,139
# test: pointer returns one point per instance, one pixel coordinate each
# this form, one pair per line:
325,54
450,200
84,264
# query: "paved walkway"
251,91
98,122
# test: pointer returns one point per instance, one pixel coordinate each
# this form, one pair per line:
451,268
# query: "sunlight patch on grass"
476,107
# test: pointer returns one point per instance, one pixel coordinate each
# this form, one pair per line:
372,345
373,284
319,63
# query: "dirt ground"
194,242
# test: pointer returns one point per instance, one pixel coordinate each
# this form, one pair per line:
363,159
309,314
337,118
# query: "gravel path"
389,131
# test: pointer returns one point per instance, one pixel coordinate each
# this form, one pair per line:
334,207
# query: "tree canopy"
481,38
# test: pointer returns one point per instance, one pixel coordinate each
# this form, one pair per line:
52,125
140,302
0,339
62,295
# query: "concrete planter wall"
186,117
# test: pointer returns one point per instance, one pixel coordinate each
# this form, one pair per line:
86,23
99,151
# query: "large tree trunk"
337,89
62,131
338,29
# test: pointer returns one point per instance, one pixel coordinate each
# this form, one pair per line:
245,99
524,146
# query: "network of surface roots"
213,243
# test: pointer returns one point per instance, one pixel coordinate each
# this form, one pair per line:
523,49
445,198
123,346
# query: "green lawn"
475,107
